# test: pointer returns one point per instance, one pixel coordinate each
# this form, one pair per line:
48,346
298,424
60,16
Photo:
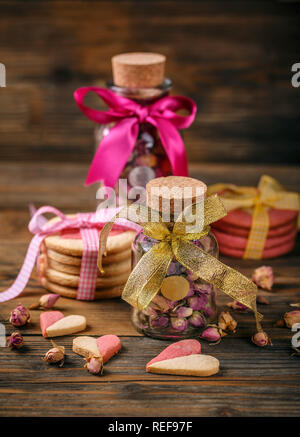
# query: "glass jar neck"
144,96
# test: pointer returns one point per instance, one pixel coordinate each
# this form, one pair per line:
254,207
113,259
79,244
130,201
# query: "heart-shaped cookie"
191,365
55,324
178,349
106,346
48,318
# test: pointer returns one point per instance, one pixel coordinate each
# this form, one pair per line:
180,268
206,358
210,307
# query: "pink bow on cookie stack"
88,225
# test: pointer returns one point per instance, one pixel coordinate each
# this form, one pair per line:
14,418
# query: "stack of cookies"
232,232
60,262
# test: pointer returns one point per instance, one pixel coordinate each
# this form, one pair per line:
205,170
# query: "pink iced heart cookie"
48,318
179,349
190,365
108,345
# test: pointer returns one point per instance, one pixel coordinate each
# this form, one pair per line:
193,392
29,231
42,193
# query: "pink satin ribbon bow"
88,225
116,147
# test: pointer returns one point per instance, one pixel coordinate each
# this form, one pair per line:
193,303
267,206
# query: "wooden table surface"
252,381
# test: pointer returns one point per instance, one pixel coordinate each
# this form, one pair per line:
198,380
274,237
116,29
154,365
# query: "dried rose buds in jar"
15,340
20,316
185,303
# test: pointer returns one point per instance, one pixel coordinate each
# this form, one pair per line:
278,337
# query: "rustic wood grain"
252,381
233,58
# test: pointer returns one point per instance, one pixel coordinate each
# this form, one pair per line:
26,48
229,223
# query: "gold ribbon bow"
268,194
146,278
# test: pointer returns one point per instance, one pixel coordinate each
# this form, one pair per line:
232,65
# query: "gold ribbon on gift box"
268,194
146,278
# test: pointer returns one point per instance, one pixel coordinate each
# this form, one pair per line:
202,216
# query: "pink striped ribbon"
88,224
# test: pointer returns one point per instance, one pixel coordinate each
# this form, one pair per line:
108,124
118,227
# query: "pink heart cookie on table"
179,349
55,324
108,345
48,318
105,346
240,243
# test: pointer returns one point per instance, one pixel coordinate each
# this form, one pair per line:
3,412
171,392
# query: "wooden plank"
40,183
251,382
236,60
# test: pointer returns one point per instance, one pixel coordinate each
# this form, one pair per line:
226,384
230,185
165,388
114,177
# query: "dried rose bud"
94,365
46,301
15,340
203,288
261,339
159,322
236,305
19,316
179,324
291,318
206,243
295,305
197,319
192,276
226,321
149,311
56,354
184,312
198,302
211,334
162,304
263,277
209,311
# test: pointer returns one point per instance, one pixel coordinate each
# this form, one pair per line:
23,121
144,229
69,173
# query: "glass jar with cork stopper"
140,77
185,304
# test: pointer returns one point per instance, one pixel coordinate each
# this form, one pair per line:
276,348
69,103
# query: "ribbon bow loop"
121,139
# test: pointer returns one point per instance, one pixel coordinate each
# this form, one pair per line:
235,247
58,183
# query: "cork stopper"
174,192
138,70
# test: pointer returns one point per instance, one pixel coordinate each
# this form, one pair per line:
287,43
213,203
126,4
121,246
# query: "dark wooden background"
233,58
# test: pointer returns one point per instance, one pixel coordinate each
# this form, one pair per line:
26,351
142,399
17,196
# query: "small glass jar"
185,304
148,159
184,318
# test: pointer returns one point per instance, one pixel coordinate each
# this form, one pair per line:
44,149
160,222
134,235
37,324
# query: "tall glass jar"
185,304
148,159
140,77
